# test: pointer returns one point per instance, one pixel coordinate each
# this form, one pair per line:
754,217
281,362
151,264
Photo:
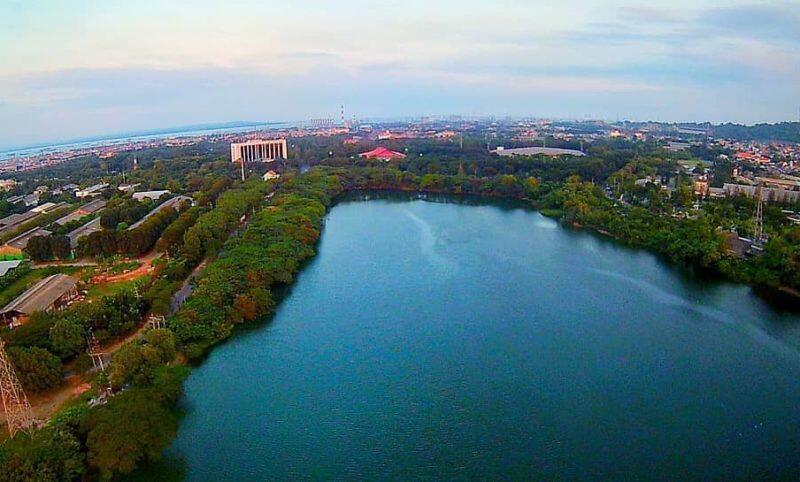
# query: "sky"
81,68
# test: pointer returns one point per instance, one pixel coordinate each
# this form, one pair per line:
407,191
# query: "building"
85,210
174,203
259,150
76,234
7,184
6,266
536,151
129,188
270,175
154,195
53,292
91,191
16,245
769,194
382,154
14,221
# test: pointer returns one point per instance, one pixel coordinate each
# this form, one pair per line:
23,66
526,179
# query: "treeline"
446,158
390,178
698,241
695,241
237,286
188,241
43,248
782,131
132,242
124,212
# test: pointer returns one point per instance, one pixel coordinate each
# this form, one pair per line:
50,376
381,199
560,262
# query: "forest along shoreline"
137,423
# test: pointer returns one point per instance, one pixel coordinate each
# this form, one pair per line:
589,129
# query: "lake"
443,340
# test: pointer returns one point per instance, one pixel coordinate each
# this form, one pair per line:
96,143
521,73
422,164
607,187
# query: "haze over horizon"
77,69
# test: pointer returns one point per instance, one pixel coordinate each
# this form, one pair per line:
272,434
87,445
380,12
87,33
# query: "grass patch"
552,213
99,290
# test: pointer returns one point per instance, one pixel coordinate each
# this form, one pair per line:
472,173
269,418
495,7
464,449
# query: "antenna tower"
15,403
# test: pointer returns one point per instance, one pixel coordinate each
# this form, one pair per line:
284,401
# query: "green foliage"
134,242
135,364
68,336
39,248
50,454
37,368
236,287
15,274
135,426
163,341
173,234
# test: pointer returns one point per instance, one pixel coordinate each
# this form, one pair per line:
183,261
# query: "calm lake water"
433,340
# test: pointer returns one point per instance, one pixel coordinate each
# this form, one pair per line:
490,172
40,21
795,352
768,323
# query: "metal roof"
6,266
42,295
21,241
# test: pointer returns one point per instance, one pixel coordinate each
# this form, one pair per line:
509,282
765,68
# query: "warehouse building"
51,293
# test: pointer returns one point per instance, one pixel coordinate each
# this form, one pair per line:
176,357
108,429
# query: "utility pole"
758,217
241,161
15,403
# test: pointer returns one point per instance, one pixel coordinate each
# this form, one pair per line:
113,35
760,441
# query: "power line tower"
15,403
758,217
95,352
155,322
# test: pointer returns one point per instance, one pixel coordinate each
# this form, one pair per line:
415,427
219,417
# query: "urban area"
117,258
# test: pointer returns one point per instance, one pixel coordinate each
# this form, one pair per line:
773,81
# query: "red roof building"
382,154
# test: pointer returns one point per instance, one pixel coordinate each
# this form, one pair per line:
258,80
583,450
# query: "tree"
163,341
50,454
39,248
37,368
68,337
135,426
60,247
134,364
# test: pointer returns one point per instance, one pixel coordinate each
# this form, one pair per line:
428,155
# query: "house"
128,188
382,154
53,292
271,175
92,191
154,195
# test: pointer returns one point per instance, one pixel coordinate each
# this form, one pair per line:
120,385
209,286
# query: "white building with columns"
259,150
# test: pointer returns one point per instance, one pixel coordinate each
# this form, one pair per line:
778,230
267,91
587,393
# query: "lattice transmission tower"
15,403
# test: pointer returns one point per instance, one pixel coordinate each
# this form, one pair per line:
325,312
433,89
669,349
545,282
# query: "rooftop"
42,295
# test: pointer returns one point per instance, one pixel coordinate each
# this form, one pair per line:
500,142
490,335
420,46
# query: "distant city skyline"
78,69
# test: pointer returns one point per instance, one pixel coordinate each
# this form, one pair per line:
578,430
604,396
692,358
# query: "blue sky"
79,68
